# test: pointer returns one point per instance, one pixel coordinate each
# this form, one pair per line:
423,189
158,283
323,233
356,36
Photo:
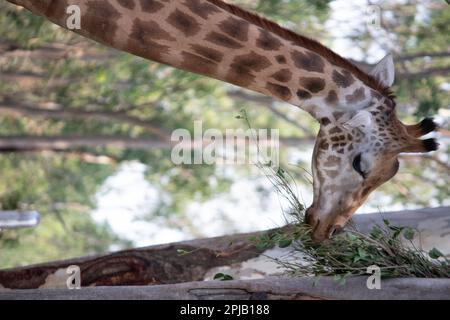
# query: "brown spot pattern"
308,60
284,75
267,41
150,6
235,28
335,130
201,8
343,79
100,20
325,121
324,145
302,94
281,59
149,30
332,97
142,39
358,95
243,67
238,78
55,10
184,22
337,115
207,52
312,84
250,62
332,161
222,40
198,64
279,91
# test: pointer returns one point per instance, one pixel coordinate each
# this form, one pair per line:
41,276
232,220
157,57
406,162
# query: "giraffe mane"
307,43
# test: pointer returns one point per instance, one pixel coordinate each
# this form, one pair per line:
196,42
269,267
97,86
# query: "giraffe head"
355,152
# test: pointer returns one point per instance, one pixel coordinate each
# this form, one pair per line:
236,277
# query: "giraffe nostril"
335,230
332,232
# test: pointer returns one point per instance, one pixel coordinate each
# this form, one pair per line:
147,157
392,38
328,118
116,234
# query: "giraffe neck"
212,38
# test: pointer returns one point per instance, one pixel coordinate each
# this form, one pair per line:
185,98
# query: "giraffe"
360,136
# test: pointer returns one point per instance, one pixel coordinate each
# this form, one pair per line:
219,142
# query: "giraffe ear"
384,71
362,120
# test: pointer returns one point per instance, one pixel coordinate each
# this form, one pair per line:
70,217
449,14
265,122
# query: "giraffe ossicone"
360,135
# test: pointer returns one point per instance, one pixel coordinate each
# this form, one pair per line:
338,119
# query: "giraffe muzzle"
321,229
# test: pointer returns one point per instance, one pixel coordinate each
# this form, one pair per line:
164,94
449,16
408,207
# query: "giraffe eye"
357,166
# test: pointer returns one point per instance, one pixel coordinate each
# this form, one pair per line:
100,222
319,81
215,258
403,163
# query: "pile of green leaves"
350,253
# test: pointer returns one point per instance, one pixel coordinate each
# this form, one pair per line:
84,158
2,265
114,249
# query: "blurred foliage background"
68,106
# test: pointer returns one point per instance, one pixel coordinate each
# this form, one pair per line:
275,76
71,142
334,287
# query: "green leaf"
222,277
227,277
352,237
262,245
283,243
280,173
397,231
376,232
386,222
362,253
396,234
409,233
263,242
435,253
219,275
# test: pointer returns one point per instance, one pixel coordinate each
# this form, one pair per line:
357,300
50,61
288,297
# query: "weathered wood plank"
271,288
151,265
